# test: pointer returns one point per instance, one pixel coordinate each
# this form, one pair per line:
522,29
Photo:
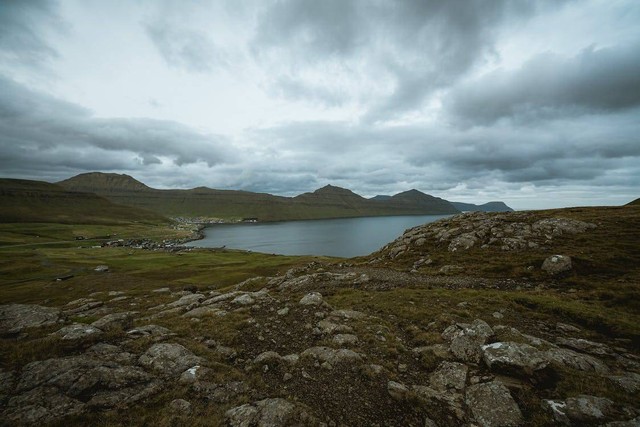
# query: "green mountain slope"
36,201
326,202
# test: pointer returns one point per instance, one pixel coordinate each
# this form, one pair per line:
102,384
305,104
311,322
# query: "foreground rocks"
14,318
54,388
288,354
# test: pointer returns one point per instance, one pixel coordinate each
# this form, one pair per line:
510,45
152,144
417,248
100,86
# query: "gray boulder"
331,355
398,391
588,409
585,346
569,358
77,331
635,422
270,412
557,264
169,359
111,353
312,298
492,405
149,330
466,340
244,299
513,358
345,339
629,381
328,327
116,321
16,317
51,389
187,300
580,410
449,375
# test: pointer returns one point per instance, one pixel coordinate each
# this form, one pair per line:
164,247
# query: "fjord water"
344,237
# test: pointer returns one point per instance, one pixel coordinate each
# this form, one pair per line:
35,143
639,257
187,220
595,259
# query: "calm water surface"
346,237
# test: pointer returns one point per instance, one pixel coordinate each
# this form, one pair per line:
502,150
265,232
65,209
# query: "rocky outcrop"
557,264
514,358
270,412
511,231
580,410
114,322
78,331
169,359
14,318
51,389
466,339
493,406
331,355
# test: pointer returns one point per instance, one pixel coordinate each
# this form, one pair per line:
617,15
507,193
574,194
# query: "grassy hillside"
486,207
327,202
24,201
234,309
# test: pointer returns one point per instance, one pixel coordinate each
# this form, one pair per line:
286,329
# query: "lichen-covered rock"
492,405
466,340
569,358
557,264
312,298
51,389
514,358
345,339
16,317
244,299
187,301
77,331
111,353
449,375
328,327
588,409
149,330
206,311
169,359
629,381
268,358
270,412
116,321
331,355
398,391
585,346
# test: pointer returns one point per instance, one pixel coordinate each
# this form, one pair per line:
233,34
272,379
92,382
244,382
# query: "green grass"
420,307
27,275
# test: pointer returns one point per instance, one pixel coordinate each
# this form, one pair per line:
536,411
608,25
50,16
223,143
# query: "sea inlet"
343,237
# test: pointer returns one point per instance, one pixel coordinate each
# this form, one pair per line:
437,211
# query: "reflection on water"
347,237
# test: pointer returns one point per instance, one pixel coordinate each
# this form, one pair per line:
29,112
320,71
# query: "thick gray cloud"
551,85
418,46
22,26
536,103
36,128
182,48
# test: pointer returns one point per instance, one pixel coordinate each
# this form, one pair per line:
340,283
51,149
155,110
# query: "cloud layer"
468,101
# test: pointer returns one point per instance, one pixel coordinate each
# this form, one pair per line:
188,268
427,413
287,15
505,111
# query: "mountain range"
98,195
38,201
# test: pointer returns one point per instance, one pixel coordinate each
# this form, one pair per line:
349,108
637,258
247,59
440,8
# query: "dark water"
346,237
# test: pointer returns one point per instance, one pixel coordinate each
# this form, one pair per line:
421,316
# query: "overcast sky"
534,103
